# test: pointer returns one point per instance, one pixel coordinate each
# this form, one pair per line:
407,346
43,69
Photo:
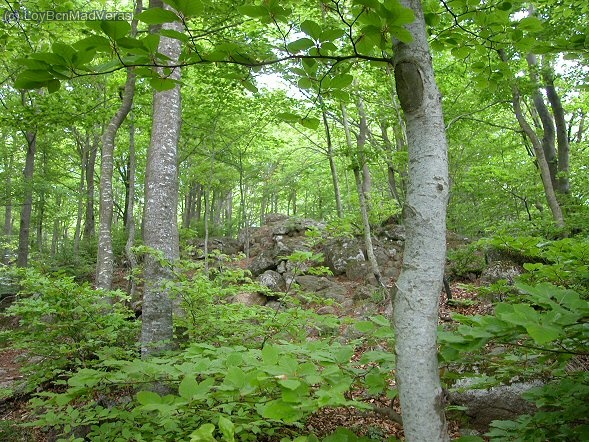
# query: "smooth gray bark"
332,167
562,139
160,228
22,258
89,218
130,221
547,123
7,230
545,174
416,292
83,152
105,259
360,185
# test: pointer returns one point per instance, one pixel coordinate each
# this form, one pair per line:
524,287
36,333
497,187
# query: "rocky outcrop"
322,286
273,280
227,246
499,270
497,403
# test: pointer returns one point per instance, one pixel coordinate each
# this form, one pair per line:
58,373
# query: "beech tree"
416,292
160,229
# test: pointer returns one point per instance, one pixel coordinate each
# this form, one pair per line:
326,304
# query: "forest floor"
14,409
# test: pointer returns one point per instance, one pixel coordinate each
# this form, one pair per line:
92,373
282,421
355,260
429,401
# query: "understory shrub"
63,325
540,337
245,392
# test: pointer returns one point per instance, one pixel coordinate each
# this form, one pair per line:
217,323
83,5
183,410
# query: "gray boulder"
260,264
498,270
273,280
249,299
340,252
496,403
322,286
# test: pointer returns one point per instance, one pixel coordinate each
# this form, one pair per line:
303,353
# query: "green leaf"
289,118
543,334
341,81
365,326
65,51
505,6
400,16
235,376
188,8
227,429
163,84
97,42
148,398
203,434
312,29
461,52
250,86
157,16
115,29
53,86
151,42
531,24
31,79
188,387
290,384
280,410
271,354
305,83
299,45
401,34
375,382
174,34
310,123
253,11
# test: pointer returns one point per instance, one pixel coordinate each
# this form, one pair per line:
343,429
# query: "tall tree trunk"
105,258
7,231
89,220
538,151
388,151
332,168
161,205
562,139
416,292
56,228
83,152
41,205
130,222
547,123
359,164
22,259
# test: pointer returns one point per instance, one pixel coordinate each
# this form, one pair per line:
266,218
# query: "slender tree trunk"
361,189
105,259
89,219
539,153
332,168
41,205
581,129
547,123
56,229
161,205
130,224
22,259
196,214
83,151
416,293
7,231
388,151
562,139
